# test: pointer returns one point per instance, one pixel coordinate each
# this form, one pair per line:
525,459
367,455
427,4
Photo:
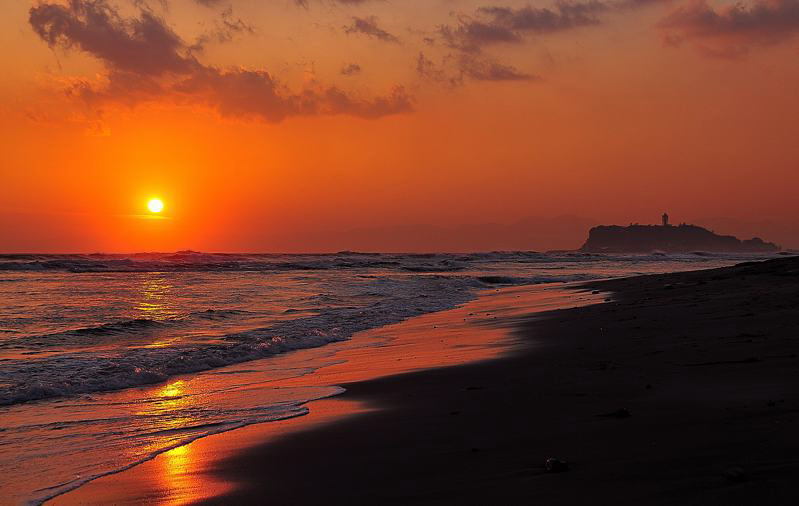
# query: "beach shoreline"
474,331
676,391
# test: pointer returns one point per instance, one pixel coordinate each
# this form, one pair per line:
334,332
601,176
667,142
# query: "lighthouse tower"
665,220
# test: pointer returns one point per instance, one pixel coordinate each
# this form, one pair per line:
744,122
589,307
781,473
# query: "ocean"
109,360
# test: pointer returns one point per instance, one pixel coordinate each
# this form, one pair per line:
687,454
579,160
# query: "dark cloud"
210,3
471,35
731,30
428,70
455,69
563,16
369,26
351,69
145,60
144,45
632,4
255,93
492,25
225,29
485,69
304,3
335,101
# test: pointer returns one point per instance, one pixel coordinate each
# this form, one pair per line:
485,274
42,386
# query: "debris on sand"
555,465
735,474
619,413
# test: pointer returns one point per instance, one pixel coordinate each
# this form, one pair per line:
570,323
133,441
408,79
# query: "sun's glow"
155,205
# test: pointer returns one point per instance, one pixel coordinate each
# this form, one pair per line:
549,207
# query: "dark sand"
704,362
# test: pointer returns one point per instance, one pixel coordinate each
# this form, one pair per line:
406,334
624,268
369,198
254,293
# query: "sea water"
109,360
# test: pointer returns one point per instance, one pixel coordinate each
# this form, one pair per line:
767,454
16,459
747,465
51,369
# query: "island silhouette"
682,238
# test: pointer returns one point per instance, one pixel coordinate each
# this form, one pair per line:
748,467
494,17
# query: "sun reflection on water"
169,408
156,300
174,389
172,405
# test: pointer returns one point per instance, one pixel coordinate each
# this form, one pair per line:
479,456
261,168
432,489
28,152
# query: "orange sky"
333,124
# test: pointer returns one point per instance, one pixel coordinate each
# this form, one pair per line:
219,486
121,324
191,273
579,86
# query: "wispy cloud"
369,26
730,31
351,69
491,25
455,69
225,29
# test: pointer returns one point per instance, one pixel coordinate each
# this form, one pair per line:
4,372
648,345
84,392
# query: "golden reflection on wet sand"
176,473
184,475
478,330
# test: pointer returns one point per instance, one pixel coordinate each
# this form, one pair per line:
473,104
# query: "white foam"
87,371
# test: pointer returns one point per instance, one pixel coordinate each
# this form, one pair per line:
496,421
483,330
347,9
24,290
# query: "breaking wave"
84,372
191,261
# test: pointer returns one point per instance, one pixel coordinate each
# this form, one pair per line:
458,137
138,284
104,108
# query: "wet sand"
680,390
479,330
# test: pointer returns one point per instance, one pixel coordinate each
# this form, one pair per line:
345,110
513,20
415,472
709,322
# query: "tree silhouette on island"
683,238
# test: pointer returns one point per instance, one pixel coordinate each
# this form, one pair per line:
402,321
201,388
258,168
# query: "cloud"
144,45
210,3
225,30
492,25
455,69
471,35
146,61
351,69
485,69
368,26
564,16
731,30
440,74
304,3
255,93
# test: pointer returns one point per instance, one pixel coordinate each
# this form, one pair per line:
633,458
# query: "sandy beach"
678,390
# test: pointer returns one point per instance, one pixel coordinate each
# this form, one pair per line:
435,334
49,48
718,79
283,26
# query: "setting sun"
155,205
